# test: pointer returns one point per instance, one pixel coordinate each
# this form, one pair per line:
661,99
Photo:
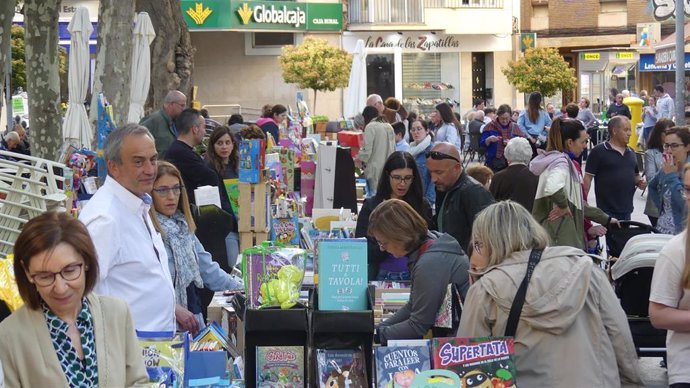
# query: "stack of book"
389,297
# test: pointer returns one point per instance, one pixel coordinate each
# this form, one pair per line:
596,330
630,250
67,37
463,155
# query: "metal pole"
8,88
680,62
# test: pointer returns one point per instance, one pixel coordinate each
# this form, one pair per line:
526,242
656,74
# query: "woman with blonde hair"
669,301
191,267
435,261
555,302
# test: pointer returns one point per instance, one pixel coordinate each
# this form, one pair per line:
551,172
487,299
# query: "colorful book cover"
232,187
477,360
342,274
287,165
285,230
280,367
341,368
252,153
396,366
308,171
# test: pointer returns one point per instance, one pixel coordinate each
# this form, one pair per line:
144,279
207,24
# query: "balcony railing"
463,3
386,11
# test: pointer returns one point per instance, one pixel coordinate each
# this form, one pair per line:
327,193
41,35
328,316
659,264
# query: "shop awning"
666,49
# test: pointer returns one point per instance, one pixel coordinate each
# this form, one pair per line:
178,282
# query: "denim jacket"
673,183
428,186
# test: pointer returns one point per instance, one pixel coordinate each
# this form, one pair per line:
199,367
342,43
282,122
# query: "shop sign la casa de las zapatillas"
425,42
242,15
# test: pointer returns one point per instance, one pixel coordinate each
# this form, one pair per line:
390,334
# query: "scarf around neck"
179,239
418,148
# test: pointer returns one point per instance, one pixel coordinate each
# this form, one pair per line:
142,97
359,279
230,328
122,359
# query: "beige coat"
29,359
379,143
572,330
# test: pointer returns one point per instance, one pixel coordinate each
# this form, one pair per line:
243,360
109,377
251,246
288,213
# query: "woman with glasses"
435,261
400,180
669,302
64,335
495,137
653,162
560,206
571,330
666,188
191,267
446,125
222,157
422,140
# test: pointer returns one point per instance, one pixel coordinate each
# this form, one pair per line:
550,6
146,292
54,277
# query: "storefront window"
667,80
381,75
429,79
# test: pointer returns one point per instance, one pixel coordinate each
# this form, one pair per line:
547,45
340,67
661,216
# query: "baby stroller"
632,277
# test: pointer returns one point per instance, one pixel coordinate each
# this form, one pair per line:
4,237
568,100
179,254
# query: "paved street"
652,374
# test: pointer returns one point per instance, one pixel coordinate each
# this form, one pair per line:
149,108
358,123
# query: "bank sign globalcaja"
241,15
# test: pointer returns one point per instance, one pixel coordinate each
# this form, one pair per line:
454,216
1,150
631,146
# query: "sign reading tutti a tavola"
262,15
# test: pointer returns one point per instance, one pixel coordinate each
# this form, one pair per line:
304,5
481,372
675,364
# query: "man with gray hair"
162,122
377,102
132,261
516,182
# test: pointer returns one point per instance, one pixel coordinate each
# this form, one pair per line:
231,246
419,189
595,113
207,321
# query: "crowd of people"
429,219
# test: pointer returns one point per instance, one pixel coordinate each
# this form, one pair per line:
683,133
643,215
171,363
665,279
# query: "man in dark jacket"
458,197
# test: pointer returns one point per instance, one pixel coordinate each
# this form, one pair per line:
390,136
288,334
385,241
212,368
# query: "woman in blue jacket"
666,188
534,121
422,142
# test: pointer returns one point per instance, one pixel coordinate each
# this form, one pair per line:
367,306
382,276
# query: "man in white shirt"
133,264
664,103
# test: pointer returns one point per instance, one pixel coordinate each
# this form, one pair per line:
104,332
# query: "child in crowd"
400,142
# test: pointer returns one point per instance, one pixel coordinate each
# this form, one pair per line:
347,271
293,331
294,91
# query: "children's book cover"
285,230
232,187
342,274
397,366
287,164
341,368
479,362
280,366
252,153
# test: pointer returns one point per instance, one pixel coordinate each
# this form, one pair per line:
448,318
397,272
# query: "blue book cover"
343,274
397,366
251,155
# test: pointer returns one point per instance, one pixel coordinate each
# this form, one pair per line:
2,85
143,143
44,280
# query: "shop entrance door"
381,75
478,76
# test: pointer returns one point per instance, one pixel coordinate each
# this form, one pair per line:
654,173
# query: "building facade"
601,39
419,51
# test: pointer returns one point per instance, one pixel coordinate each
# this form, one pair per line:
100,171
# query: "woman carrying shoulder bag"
570,330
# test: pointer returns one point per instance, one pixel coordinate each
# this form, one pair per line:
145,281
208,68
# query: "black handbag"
519,301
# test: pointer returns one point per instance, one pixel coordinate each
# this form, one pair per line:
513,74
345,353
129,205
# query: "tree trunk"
172,53
314,107
112,75
42,79
6,15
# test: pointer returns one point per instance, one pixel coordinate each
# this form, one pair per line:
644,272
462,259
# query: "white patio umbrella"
355,100
141,66
76,125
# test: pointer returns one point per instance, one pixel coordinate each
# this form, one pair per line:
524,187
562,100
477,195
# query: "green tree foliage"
540,70
316,65
19,59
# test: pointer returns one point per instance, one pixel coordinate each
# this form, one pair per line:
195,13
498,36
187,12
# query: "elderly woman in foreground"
571,330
